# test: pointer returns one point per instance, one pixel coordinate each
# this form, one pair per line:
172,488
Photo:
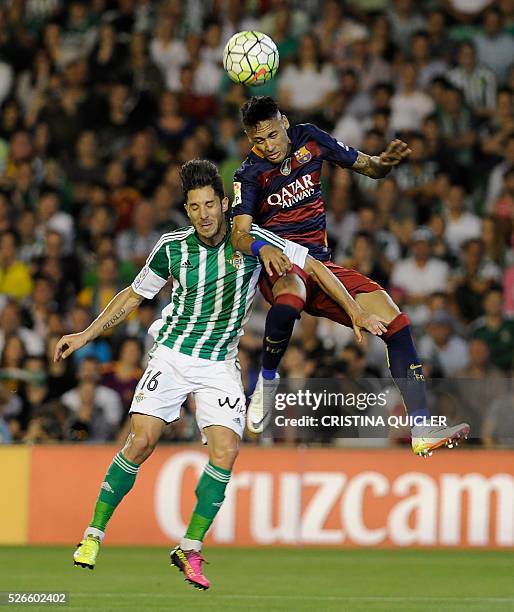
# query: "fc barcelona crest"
303,155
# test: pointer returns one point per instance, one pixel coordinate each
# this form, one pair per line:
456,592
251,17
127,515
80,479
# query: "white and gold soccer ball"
250,58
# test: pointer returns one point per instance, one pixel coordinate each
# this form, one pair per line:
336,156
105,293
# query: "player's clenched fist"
396,151
274,260
68,345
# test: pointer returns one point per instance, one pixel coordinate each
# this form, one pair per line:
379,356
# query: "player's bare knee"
224,455
139,446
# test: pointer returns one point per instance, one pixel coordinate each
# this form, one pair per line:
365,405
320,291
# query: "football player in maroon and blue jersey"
278,186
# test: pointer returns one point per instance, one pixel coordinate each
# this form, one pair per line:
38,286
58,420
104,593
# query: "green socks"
210,493
120,478
118,481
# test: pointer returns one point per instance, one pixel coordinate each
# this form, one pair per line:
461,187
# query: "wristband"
256,246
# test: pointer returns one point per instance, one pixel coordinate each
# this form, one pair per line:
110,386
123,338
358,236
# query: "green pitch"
269,579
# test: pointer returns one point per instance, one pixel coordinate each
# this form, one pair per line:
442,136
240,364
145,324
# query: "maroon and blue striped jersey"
286,198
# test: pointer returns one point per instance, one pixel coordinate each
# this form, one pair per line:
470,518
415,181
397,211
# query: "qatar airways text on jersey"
286,198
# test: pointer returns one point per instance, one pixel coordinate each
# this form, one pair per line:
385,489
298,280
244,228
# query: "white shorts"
170,376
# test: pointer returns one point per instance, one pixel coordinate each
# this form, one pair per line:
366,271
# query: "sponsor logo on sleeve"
237,195
140,277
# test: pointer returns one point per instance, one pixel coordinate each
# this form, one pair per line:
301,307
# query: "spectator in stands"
99,349
441,346
365,258
461,225
420,275
496,130
140,70
495,183
88,422
5,214
410,105
6,398
306,84
416,178
90,394
51,217
369,67
61,374
37,307
96,298
138,327
473,279
106,58
497,331
85,169
168,52
135,244
369,221
12,359
494,238
35,390
480,383
171,126
10,323
63,269
495,47
6,80
498,425
427,64
457,125
119,121
142,170
405,20
123,374
477,82
441,44
15,279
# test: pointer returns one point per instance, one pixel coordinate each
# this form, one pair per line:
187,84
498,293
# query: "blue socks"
277,333
407,372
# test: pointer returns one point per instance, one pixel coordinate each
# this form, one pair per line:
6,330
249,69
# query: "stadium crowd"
103,100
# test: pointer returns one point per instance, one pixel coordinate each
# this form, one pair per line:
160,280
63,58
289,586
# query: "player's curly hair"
198,173
258,108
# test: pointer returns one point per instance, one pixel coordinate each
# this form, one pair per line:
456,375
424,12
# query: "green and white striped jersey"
213,290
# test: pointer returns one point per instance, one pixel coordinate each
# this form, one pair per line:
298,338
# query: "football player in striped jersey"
195,350
279,187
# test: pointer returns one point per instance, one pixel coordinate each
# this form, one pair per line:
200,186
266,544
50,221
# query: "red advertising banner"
327,497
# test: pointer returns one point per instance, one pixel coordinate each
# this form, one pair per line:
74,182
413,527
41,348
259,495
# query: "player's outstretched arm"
378,166
333,287
273,259
116,311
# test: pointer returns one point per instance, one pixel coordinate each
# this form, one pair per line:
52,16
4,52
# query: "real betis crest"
237,260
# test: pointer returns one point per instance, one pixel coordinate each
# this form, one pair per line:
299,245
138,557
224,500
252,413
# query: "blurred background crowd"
102,100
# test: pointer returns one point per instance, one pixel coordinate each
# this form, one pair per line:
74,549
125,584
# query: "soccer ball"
250,58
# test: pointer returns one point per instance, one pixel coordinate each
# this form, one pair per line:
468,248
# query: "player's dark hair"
258,108
198,173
